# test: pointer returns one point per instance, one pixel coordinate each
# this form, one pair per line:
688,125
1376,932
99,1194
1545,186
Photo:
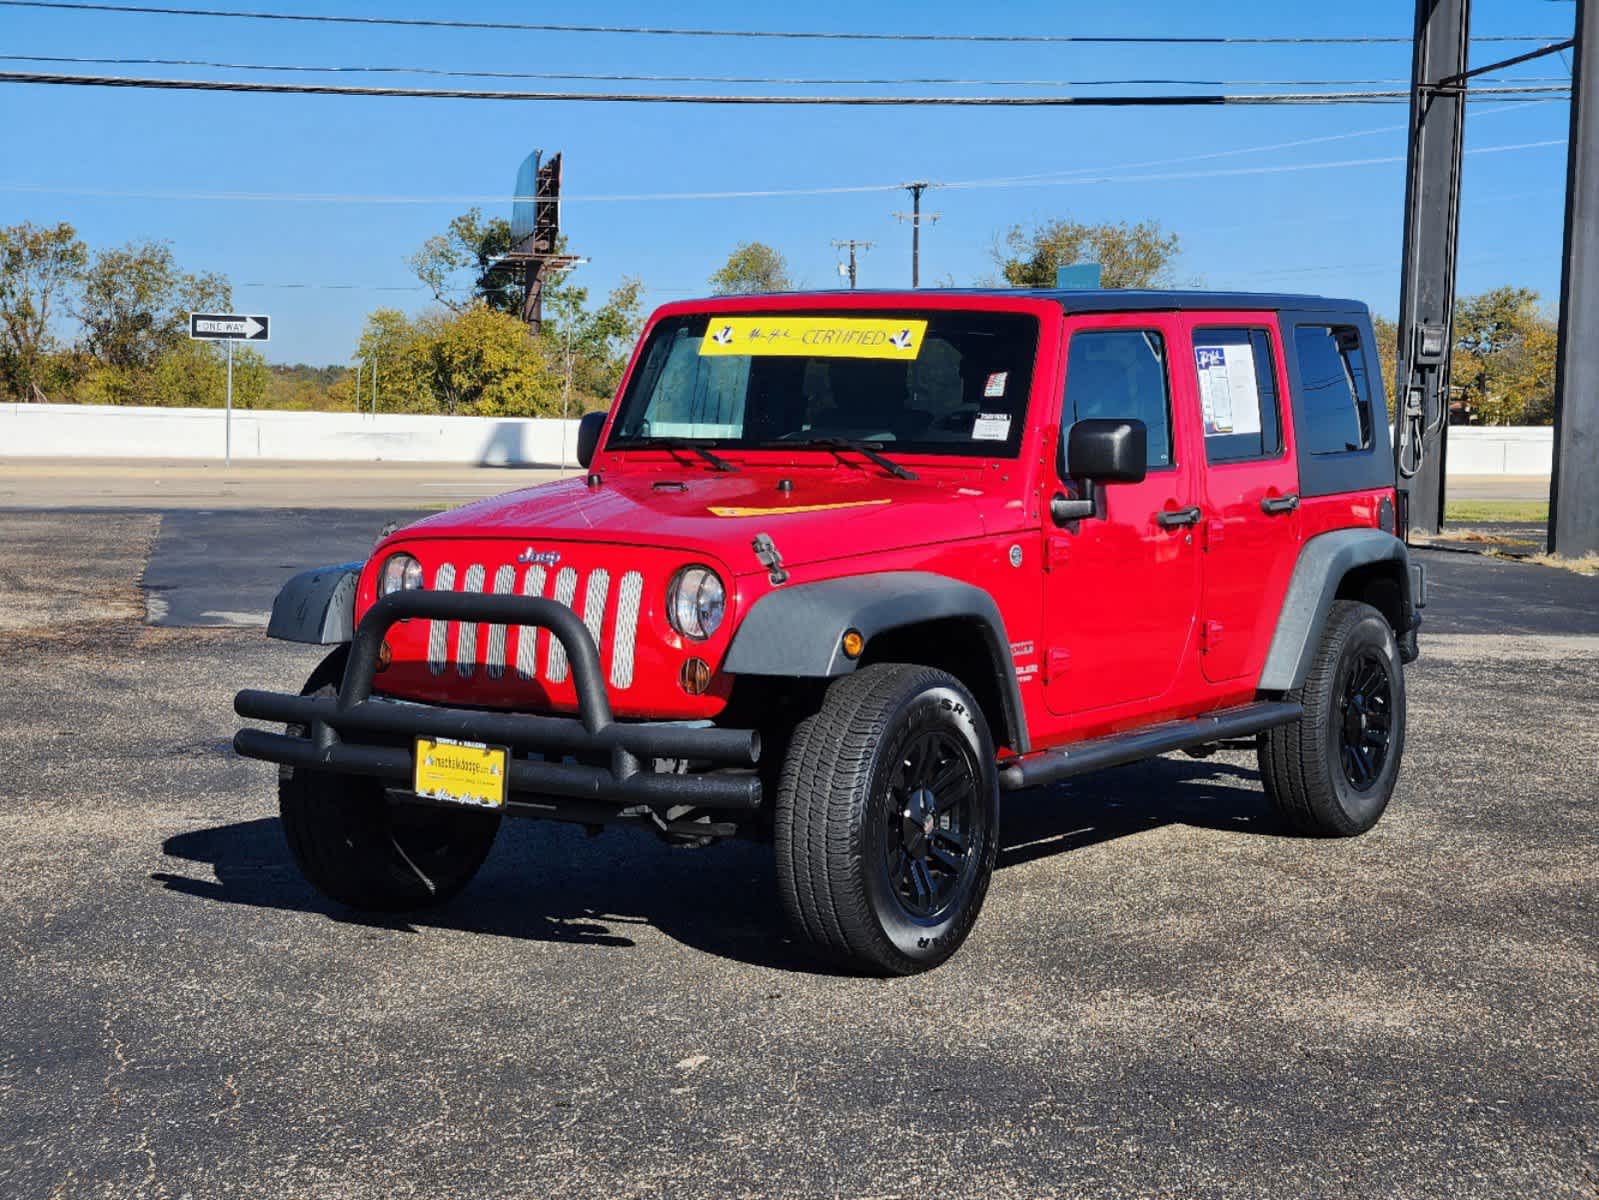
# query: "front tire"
360,849
1332,772
887,820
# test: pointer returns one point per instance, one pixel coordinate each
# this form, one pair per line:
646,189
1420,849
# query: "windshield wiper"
659,443
835,444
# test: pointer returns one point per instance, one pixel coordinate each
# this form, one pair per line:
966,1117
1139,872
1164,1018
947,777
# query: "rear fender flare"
1323,563
797,632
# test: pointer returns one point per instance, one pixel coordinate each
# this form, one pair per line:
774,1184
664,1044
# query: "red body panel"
1115,624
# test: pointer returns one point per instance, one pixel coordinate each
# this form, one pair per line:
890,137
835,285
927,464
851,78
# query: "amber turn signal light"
695,677
385,656
853,643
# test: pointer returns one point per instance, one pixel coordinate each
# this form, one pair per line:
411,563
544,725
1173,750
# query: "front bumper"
540,746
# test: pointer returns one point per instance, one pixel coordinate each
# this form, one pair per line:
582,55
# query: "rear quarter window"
1335,400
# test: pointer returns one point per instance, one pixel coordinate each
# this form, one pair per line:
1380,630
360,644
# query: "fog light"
853,643
695,677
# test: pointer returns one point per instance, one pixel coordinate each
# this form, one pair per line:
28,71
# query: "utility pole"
915,218
1432,236
852,245
374,385
357,392
1574,483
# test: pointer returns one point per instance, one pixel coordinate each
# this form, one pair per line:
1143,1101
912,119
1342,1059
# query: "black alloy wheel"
932,808
1367,708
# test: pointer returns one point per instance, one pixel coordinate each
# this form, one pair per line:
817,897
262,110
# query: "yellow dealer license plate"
461,772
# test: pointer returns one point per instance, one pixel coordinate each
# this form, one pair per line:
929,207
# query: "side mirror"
589,428
1098,451
1107,451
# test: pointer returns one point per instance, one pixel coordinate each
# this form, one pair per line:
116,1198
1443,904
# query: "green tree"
193,374
482,363
590,347
752,268
1130,256
135,304
390,344
38,266
454,265
1387,335
1504,356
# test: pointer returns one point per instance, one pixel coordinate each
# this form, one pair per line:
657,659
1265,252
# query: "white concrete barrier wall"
90,431
86,431
1500,450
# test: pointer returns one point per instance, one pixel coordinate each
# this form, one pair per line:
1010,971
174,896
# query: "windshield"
932,383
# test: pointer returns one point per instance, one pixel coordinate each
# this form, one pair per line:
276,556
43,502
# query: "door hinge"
1055,664
1209,533
1056,552
1209,635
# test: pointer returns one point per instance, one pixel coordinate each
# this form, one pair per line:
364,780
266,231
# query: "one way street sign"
228,327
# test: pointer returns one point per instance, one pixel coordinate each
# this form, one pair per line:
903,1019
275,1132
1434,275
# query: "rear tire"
887,820
1332,772
360,849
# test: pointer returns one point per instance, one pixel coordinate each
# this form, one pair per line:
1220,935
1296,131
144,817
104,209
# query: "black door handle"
1272,505
1181,516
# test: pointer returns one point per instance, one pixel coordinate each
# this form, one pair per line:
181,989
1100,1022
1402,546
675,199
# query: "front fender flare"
317,606
797,631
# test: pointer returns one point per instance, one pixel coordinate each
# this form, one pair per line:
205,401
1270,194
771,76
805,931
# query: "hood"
826,513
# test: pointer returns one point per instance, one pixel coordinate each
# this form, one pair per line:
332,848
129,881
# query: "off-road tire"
837,799
1303,764
360,849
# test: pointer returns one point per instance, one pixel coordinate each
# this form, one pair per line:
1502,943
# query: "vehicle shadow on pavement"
553,883
1206,793
542,882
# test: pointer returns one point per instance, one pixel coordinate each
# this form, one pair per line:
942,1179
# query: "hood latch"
766,554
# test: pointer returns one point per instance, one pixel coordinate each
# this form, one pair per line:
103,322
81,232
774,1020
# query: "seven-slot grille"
533,652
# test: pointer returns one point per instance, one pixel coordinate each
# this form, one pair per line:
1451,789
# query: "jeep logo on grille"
546,558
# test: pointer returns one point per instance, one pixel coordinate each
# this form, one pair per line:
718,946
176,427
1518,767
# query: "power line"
972,184
789,34
1143,101
796,81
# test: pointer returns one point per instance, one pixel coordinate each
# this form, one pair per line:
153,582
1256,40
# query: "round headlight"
401,573
695,602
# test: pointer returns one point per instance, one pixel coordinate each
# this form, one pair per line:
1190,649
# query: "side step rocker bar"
1050,766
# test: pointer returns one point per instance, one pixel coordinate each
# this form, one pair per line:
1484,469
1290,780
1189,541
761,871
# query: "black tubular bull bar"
626,780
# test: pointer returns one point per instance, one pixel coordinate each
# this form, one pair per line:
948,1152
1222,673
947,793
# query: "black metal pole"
1432,234
1574,481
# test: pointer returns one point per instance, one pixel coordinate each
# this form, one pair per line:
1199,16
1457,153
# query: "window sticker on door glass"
991,427
1229,392
995,387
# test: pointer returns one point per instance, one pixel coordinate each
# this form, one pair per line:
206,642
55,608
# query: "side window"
1336,399
1121,373
1237,394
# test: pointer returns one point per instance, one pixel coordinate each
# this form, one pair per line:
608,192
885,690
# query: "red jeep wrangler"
845,567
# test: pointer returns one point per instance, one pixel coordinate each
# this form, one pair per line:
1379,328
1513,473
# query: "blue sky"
406,166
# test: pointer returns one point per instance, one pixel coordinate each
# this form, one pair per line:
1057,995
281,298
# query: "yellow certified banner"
821,337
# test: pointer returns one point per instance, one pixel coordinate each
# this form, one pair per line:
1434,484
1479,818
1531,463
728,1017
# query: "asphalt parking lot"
1164,997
